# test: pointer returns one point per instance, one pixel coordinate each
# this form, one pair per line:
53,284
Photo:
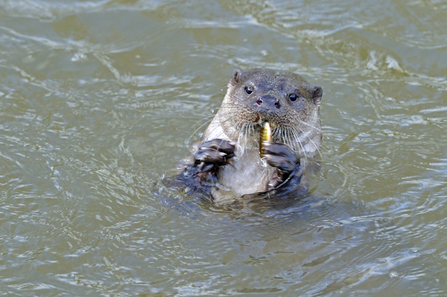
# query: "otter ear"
316,94
237,75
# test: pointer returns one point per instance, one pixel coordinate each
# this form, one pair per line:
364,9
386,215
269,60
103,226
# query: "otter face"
286,100
282,98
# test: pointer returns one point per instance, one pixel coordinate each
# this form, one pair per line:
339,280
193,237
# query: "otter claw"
216,151
280,156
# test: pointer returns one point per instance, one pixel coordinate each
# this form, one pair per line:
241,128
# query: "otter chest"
246,174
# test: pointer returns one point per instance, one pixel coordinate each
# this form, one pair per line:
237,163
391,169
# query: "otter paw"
280,156
216,151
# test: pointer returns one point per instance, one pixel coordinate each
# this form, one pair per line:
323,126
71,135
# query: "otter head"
286,100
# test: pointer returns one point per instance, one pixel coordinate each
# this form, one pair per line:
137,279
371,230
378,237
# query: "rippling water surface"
99,100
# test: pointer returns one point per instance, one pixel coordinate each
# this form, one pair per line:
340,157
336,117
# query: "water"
99,100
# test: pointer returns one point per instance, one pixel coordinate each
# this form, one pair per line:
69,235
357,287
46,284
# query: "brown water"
99,100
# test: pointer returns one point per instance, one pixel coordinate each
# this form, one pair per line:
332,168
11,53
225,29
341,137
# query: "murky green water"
99,100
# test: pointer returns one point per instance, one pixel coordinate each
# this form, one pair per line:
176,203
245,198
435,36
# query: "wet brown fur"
295,123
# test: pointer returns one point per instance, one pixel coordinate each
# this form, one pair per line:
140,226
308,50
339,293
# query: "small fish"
266,135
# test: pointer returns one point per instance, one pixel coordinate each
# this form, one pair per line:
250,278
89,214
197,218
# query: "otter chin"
228,159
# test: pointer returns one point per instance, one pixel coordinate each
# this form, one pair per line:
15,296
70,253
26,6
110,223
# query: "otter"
228,159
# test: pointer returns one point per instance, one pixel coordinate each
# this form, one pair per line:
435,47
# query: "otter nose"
268,101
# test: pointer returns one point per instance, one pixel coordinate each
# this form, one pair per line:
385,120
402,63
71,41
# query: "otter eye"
293,97
249,89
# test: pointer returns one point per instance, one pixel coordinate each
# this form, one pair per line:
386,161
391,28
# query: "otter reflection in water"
228,162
